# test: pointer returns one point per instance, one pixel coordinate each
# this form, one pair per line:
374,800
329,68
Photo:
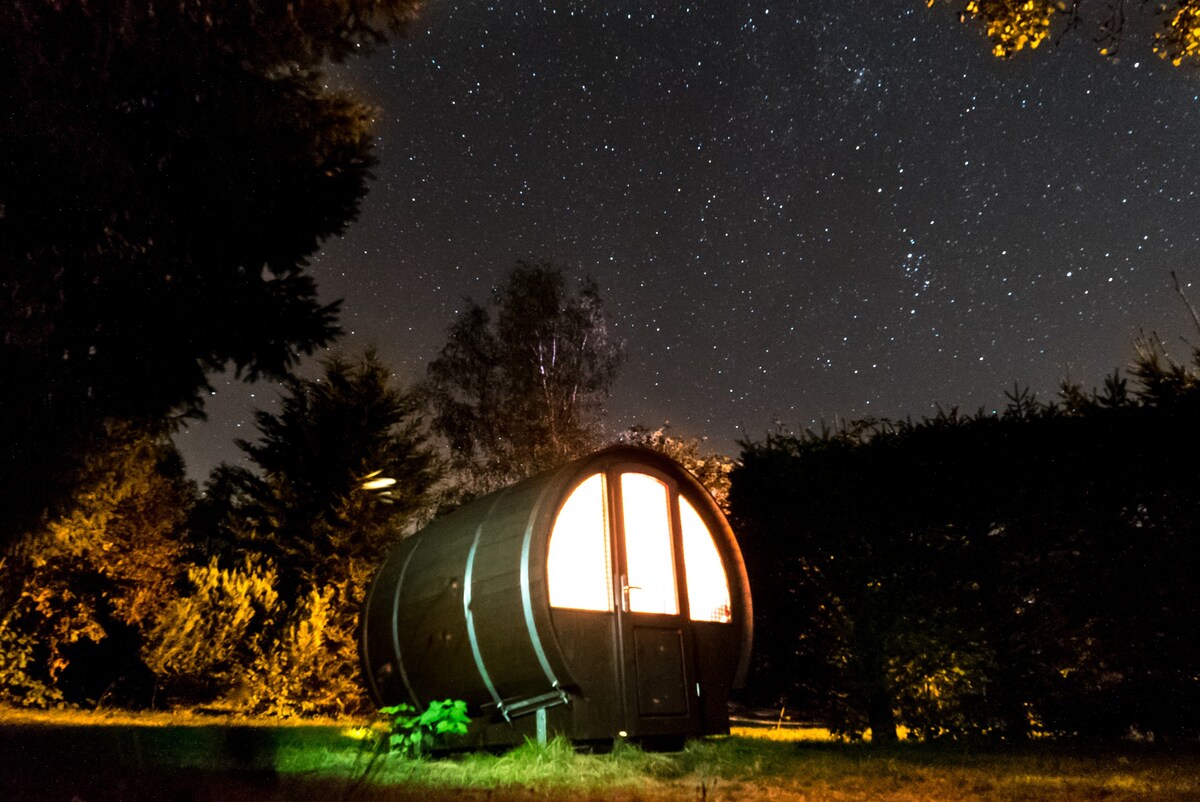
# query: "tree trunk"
881,717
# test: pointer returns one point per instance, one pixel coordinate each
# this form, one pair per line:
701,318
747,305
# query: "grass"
96,759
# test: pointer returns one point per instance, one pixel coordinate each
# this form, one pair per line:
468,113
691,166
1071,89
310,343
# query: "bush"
81,591
412,733
207,639
312,667
17,685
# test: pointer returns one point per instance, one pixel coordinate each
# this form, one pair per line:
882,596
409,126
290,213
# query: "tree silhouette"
989,573
342,470
309,505
524,391
165,171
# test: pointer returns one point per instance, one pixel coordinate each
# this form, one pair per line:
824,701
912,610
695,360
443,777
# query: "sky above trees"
794,211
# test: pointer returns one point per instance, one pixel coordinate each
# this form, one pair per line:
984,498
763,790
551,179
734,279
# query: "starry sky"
796,212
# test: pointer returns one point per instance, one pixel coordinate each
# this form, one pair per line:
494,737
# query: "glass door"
618,579
656,643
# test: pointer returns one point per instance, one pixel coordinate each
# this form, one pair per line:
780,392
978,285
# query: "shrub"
412,733
207,639
81,590
17,685
311,668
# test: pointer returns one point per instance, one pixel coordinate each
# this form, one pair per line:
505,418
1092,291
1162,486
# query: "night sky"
796,212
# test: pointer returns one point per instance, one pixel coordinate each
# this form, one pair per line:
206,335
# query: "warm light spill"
378,484
578,564
651,567
707,585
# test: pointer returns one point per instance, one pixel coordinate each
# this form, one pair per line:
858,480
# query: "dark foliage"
306,507
165,170
986,573
525,391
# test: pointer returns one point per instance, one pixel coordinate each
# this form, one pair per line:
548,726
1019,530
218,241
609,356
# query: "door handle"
625,588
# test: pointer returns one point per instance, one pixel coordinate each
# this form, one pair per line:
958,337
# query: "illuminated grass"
767,768
553,765
790,734
167,758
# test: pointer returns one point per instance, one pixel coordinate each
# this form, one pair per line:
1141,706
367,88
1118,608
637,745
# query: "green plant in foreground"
411,733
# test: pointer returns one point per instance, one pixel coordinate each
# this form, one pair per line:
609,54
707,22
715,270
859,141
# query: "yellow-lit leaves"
1179,38
206,634
1012,25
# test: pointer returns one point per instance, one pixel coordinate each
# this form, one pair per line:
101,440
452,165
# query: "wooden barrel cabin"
605,599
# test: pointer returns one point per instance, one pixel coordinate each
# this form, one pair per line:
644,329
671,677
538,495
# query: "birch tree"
520,387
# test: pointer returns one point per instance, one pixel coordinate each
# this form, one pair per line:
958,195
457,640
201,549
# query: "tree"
312,505
82,592
846,585
343,469
712,470
165,171
989,573
524,392
1013,25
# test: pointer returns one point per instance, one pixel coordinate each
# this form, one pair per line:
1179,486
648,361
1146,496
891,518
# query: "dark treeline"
1029,570
145,592
167,171
139,589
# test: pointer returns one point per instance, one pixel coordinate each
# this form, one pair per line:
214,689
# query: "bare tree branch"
1187,303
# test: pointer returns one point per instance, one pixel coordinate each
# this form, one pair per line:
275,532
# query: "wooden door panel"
661,677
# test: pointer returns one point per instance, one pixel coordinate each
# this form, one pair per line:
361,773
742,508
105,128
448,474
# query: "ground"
96,758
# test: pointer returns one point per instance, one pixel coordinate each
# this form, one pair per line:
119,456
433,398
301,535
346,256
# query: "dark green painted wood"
511,652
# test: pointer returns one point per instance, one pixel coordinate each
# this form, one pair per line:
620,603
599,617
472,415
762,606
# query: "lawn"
91,758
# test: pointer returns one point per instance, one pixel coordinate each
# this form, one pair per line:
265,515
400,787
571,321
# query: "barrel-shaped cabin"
605,599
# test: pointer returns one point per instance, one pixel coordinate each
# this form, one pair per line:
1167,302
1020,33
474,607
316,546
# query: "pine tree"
342,471
166,169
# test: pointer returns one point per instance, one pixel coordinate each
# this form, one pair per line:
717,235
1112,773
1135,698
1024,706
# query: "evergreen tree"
343,470
314,501
166,169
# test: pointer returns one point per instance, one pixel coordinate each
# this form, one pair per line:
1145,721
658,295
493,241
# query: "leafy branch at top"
1014,25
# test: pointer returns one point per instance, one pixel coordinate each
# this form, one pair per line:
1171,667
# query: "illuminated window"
578,560
651,569
707,585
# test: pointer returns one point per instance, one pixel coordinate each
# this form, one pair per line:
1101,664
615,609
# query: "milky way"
796,212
